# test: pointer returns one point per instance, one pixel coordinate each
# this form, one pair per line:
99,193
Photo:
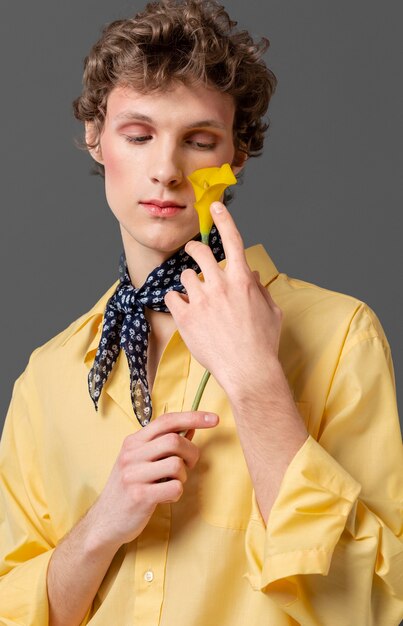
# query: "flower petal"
209,183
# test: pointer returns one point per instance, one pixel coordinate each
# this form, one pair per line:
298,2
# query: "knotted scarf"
125,325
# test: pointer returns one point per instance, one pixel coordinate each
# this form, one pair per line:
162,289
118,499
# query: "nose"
165,168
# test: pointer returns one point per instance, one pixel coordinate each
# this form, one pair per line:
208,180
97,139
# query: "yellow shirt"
330,554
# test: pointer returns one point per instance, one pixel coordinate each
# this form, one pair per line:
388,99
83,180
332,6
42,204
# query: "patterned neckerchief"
125,325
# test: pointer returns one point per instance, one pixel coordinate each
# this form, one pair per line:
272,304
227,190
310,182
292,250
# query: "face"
148,146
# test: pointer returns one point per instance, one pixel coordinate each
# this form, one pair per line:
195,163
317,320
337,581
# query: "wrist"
264,382
269,402
94,539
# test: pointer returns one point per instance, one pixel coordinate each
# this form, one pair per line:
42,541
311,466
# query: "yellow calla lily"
209,183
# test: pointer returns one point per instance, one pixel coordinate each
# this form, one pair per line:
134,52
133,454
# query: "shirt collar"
257,259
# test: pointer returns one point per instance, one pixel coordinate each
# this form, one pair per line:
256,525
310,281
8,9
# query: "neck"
141,260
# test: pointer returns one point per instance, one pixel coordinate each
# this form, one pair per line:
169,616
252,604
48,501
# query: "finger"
177,422
169,445
177,304
188,434
171,468
204,257
230,235
166,491
264,291
265,294
190,281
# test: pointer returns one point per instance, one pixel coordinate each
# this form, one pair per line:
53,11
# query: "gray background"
325,198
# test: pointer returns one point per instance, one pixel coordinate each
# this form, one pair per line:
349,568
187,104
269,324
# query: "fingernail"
217,207
210,419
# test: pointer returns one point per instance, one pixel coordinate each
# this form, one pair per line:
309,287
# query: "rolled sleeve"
306,521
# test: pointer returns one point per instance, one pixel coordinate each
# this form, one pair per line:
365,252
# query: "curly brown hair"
180,40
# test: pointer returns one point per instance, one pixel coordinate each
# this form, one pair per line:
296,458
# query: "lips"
163,203
162,208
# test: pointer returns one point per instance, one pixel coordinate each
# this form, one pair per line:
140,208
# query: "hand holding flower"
208,183
229,321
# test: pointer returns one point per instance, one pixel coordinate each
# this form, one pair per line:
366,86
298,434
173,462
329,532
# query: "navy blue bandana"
125,325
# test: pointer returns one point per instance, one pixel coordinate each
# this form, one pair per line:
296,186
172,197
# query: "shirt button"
149,576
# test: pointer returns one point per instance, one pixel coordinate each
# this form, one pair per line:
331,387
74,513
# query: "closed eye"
140,139
203,146
199,145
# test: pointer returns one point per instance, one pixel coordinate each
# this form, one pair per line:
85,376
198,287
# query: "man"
278,503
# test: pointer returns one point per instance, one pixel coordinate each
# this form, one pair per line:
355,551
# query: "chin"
166,246
165,242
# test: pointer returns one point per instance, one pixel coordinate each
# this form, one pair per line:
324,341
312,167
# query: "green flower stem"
206,375
200,390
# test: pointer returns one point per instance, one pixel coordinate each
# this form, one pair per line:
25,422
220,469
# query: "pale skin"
230,302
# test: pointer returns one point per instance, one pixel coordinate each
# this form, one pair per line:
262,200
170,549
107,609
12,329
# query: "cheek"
118,175
113,163
115,187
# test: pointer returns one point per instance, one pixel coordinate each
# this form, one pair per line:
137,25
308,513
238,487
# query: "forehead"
178,105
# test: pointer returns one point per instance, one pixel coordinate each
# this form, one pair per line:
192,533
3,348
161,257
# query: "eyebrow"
140,117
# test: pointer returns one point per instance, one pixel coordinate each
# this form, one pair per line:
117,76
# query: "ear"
90,134
239,160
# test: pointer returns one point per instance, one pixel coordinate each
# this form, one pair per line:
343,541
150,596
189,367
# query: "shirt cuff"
23,593
306,521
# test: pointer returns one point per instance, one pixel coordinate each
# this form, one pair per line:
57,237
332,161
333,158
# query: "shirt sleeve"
27,539
332,551
25,548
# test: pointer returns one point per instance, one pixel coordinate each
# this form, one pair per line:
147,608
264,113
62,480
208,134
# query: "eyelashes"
204,146
142,139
